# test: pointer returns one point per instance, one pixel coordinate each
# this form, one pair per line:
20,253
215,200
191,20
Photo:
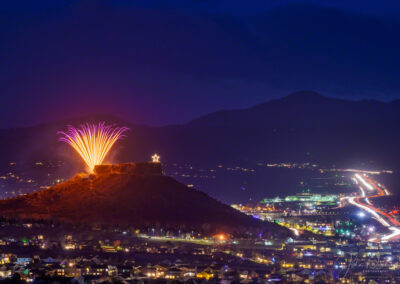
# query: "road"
370,189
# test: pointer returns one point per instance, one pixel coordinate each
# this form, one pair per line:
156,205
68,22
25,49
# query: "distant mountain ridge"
304,126
301,107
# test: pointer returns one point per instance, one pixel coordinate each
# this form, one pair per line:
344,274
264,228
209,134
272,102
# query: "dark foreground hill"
131,199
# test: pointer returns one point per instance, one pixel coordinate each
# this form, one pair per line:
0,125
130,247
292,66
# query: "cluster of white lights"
295,231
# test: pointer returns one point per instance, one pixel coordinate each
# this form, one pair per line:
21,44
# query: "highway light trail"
362,191
355,201
385,219
367,185
394,235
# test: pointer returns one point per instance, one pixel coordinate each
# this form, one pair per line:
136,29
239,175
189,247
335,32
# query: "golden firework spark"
92,141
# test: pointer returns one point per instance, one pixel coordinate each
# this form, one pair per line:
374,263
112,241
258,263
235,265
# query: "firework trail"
92,141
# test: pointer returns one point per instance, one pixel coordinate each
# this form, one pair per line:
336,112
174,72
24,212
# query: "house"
124,270
5,271
173,273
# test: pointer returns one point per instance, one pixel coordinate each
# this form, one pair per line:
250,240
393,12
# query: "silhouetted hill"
304,109
133,199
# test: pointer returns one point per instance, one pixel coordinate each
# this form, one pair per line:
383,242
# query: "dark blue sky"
161,62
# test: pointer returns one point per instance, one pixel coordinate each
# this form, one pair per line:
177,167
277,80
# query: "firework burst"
92,141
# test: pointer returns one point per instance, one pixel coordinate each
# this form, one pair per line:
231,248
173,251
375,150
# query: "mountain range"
304,126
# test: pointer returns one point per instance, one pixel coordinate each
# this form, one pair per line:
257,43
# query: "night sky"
163,62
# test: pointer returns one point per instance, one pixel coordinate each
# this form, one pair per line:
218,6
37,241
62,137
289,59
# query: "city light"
221,237
295,231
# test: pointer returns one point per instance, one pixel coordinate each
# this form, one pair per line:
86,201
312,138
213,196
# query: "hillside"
132,199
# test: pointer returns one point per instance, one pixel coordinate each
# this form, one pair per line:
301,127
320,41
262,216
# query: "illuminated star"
156,158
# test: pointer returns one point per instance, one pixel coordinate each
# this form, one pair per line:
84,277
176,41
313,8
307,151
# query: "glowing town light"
295,231
361,214
221,237
155,158
92,141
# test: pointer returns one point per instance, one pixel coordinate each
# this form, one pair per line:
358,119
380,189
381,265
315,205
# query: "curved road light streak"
362,191
395,234
369,210
367,185
379,215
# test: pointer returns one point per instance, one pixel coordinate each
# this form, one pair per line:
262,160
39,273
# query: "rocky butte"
133,195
